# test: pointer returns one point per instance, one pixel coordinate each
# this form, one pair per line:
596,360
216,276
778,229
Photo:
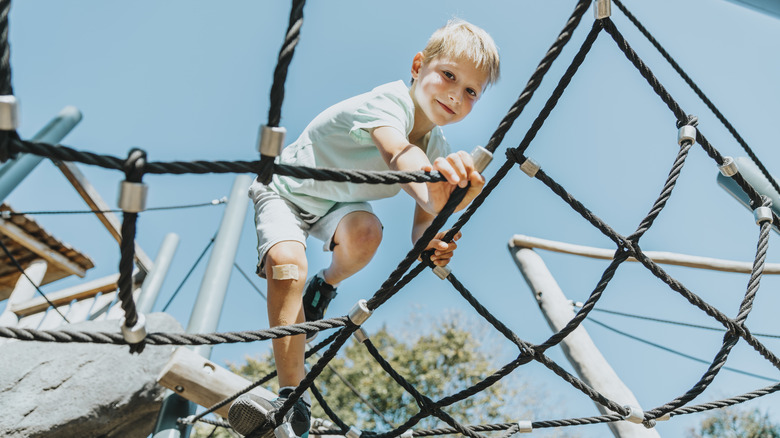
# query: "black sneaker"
316,297
247,415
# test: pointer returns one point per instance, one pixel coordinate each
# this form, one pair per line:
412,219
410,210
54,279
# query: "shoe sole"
247,416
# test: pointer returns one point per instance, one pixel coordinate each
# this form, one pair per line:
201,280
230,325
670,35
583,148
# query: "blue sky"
189,80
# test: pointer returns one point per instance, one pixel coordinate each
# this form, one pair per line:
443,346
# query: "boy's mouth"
446,108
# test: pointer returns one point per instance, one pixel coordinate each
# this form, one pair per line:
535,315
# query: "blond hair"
459,39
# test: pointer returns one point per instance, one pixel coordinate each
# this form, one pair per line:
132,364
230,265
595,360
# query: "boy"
392,127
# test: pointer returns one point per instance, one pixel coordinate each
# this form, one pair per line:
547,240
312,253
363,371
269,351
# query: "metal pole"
14,171
211,297
768,7
578,347
754,177
155,278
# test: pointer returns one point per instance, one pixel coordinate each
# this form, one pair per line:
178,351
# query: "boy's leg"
355,240
284,308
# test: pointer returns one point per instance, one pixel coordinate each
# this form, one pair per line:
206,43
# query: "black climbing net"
135,166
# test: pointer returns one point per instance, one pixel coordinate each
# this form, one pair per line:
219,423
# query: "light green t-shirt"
340,137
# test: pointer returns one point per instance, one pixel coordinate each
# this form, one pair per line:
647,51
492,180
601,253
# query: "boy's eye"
471,92
449,75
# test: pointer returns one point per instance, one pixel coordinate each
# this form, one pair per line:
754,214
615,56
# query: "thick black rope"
262,380
659,89
134,171
65,153
5,50
732,130
536,78
66,336
730,338
286,53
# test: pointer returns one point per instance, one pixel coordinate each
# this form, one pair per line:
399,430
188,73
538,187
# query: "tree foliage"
736,423
446,358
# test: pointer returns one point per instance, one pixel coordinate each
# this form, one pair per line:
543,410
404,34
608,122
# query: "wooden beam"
65,296
96,202
23,238
203,382
668,258
578,347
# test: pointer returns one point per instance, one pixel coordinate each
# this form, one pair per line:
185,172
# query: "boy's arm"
443,250
457,168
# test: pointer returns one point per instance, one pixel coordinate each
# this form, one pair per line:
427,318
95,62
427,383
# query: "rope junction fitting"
729,167
270,144
9,113
271,140
602,9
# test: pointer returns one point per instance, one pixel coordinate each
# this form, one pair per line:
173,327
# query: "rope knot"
690,120
6,139
515,155
135,165
266,171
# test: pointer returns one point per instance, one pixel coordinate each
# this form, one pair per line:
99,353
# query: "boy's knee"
365,233
286,261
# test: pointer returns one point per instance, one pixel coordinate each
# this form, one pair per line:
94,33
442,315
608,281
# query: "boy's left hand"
458,169
443,251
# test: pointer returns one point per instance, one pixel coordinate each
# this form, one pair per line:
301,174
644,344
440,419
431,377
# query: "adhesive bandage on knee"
285,272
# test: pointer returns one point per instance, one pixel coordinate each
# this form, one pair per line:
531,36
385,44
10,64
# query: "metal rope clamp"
530,167
635,414
762,214
9,113
136,333
686,132
353,432
602,9
442,271
132,196
481,157
729,167
525,426
271,140
359,313
360,335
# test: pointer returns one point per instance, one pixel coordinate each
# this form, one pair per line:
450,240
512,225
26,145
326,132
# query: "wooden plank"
53,320
56,259
662,257
80,310
100,308
96,202
201,381
80,292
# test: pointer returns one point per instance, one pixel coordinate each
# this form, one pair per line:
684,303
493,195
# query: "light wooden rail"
662,257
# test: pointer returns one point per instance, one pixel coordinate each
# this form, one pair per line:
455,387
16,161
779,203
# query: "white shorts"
277,220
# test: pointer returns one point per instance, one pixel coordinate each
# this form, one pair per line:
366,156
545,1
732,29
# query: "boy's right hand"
458,169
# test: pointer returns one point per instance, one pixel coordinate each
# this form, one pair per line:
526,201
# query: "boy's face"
446,89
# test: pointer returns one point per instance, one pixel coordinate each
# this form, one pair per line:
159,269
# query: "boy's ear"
416,64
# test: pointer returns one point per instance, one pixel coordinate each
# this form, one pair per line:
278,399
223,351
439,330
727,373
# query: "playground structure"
626,247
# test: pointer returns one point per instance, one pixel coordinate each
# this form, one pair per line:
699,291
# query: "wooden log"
582,353
203,382
662,257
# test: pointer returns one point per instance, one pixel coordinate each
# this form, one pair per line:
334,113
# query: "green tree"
448,356
737,423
